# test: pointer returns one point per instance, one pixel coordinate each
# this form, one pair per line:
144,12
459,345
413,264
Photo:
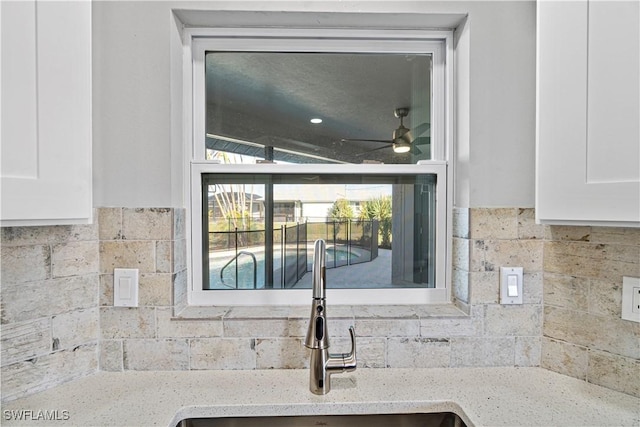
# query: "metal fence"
349,242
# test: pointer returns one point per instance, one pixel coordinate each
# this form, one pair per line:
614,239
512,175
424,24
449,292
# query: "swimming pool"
238,270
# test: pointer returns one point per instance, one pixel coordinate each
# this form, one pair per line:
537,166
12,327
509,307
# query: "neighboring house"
301,203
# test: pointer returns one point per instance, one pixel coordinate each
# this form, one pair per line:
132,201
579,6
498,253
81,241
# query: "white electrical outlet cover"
631,299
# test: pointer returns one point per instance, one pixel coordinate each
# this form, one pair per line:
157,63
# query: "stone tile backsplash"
583,334
59,322
49,306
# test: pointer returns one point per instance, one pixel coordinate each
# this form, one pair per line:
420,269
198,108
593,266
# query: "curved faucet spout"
318,270
322,363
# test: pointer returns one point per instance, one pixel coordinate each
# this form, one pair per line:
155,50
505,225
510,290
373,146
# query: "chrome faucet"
322,363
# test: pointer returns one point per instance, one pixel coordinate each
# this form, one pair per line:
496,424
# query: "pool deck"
373,274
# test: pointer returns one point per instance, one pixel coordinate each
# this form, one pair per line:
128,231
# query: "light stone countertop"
481,396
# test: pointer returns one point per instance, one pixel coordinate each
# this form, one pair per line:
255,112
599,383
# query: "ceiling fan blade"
385,141
422,128
369,151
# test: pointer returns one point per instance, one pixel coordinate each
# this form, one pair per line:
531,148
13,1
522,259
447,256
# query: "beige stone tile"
460,283
616,235
591,260
493,223
155,289
614,372
281,353
528,351
371,352
180,289
22,264
256,328
302,312
460,220
418,353
25,378
168,327
127,254
605,298
195,312
566,232
388,327
533,288
527,227
111,356
337,327
42,235
74,259
298,327
179,223
460,253
25,340
477,255
75,327
484,287
223,353
156,354
564,358
573,258
578,249
179,255
471,351
616,270
106,290
596,332
47,298
566,291
385,312
126,322
438,311
147,223
621,253
513,320
452,327
258,312
110,223
332,311
164,256
514,253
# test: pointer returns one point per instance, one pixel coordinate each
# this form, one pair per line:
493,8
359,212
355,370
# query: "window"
368,174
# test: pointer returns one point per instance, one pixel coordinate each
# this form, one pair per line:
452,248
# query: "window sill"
293,312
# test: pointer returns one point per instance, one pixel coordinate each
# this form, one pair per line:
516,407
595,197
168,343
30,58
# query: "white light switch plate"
125,287
511,285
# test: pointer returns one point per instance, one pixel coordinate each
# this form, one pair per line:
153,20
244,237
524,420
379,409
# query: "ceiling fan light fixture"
401,146
316,120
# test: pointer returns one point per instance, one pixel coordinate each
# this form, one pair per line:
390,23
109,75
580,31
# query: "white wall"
133,112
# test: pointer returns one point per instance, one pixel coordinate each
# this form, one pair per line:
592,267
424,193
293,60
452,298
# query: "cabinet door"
588,142
46,112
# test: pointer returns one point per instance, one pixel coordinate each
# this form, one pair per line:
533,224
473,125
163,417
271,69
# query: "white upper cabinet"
588,113
46,113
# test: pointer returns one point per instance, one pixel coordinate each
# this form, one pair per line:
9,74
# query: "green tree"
379,208
341,213
341,210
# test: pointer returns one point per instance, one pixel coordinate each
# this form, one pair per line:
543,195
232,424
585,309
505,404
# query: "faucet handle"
350,361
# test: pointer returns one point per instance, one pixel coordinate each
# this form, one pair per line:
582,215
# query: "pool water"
335,257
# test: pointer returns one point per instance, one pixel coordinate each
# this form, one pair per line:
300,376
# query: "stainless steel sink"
443,419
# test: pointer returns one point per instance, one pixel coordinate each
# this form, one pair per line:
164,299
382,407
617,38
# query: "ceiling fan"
402,140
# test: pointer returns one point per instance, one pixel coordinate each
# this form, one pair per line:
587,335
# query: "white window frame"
438,43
